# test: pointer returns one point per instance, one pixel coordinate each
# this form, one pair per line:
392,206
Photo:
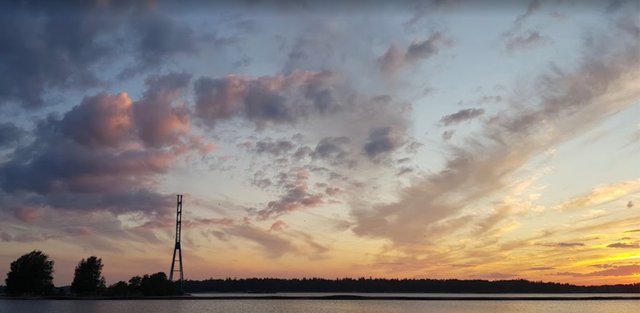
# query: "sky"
403,139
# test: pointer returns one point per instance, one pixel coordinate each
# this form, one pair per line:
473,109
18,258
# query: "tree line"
381,285
32,275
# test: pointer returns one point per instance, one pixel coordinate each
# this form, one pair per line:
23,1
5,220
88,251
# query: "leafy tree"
134,285
156,285
88,279
30,274
119,289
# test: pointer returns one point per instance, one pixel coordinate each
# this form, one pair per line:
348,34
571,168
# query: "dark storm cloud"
10,134
461,116
61,46
46,45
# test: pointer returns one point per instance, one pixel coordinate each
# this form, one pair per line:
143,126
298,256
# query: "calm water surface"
313,306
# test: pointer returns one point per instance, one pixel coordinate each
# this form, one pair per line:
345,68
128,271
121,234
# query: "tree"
119,289
30,274
156,285
88,279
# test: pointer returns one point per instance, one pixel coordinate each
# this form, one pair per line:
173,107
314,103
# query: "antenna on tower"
177,250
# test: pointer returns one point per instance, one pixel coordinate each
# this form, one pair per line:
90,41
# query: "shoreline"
341,297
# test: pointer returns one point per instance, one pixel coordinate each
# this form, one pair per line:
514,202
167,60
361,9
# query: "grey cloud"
533,7
396,58
296,198
569,244
623,270
10,134
296,195
265,107
334,149
276,148
624,245
461,116
50,46
427,48
218,98
541,268
60,165
158,38
62,46
515,39
101,155
382,140
99,120
265,100
448,134
531,39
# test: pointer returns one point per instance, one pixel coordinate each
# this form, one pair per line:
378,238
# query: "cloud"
336,150
52,46
623,245
605,81
461,116
100,120
271,243
381,141
295,198
563,244
541,268
156,39
265,100
448,134
160,120
10,134
532,8
396,58
624,270
276,148
516,40
278,226
601,195
105,153
63,46
531,39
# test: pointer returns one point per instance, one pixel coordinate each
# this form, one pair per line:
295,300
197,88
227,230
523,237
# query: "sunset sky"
444,139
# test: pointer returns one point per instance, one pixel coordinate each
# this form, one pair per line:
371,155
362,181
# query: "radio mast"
177,250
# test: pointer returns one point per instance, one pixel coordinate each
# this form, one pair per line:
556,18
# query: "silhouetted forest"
270,285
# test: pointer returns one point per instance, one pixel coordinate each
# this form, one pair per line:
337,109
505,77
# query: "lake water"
315,306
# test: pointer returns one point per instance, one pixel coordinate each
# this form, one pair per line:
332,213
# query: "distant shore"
599,297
